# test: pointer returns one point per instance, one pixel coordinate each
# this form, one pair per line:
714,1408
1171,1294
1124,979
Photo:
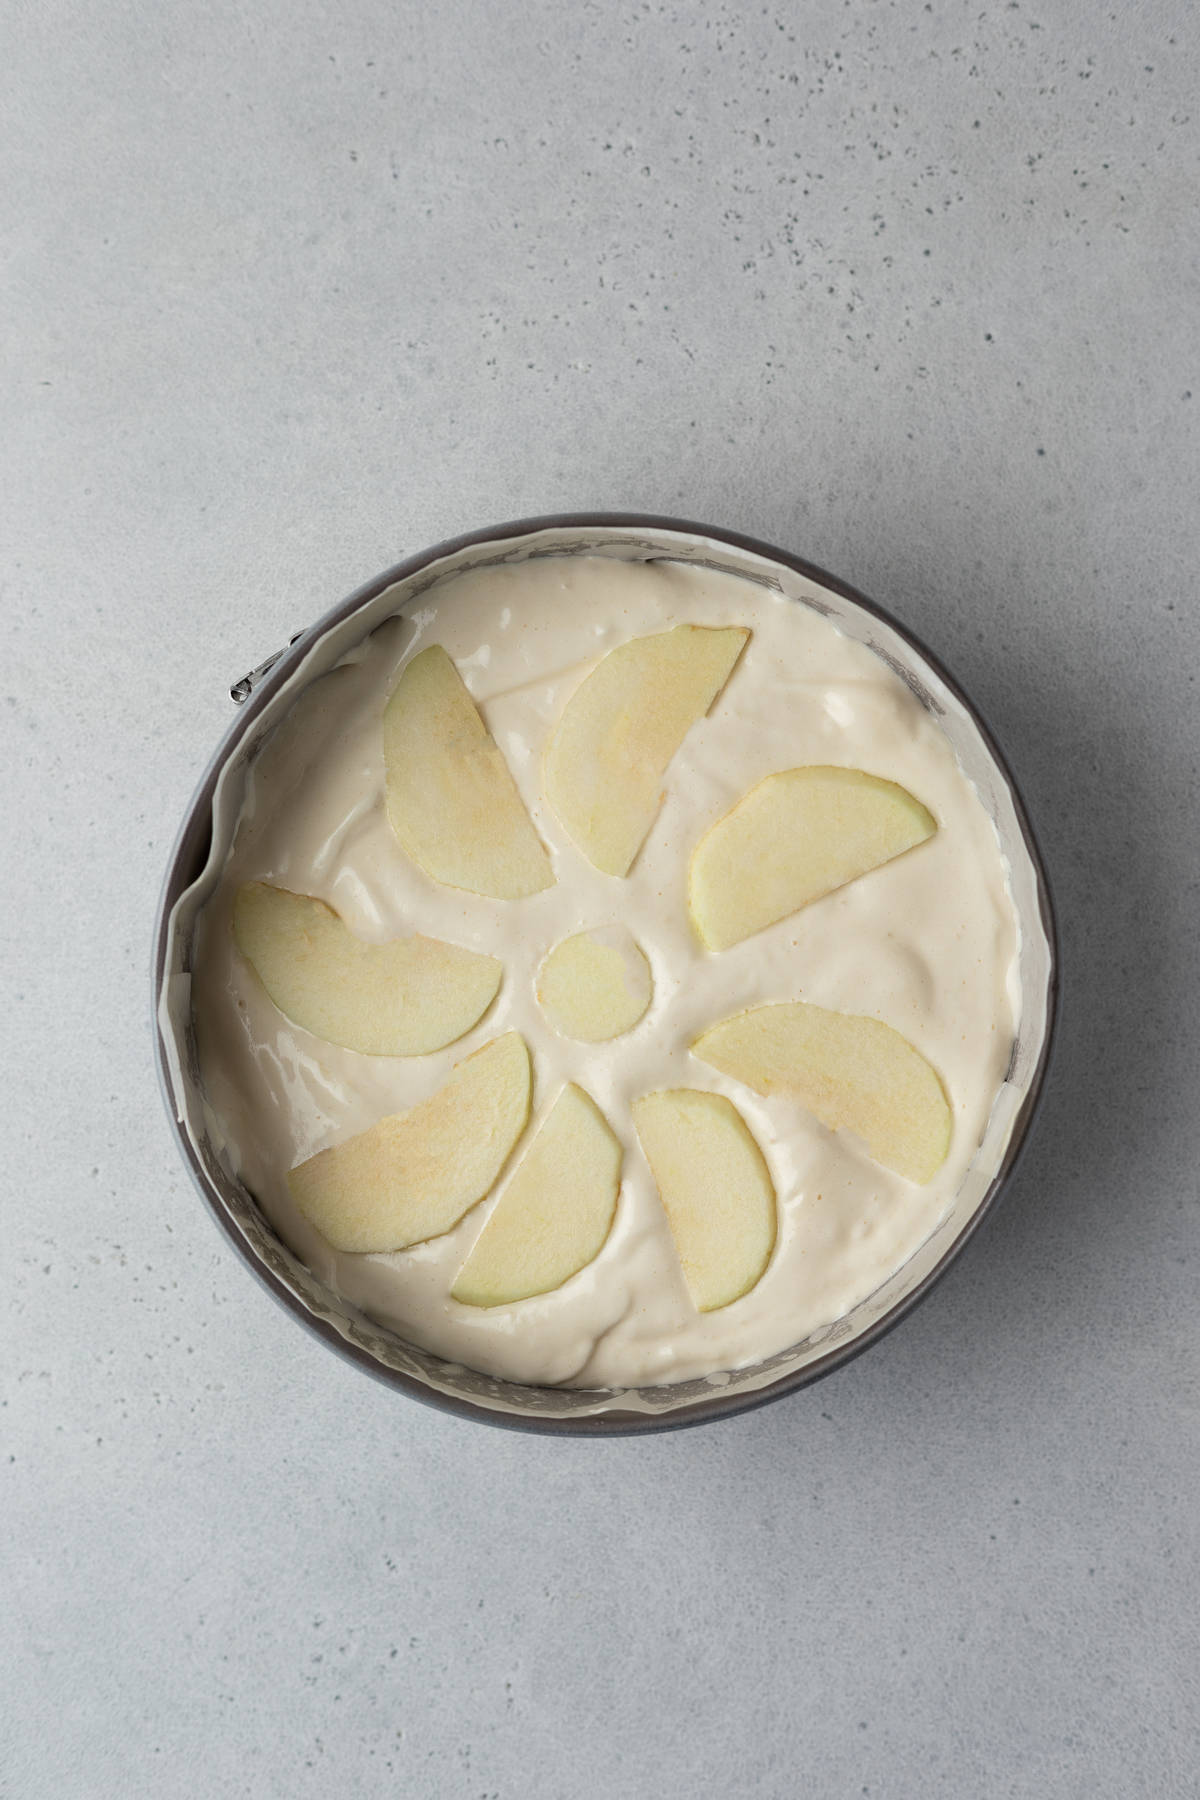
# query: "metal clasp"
241,690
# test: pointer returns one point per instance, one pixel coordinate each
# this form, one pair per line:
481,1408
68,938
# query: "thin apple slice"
406,998
852,1073
451,799
556,1212
605,762
412,1176
796,836
596,985
715,1189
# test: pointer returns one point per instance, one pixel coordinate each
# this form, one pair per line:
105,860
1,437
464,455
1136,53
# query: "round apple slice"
605,763
451,799
406,998
715,1189
796,836
556,1212
412,1176
596,985
853,1073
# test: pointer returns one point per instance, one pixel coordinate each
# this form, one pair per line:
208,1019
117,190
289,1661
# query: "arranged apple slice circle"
606,759
553,1217
715,1188
405,998
454,808
413,1175
852,1073
451,799
596,985
793,838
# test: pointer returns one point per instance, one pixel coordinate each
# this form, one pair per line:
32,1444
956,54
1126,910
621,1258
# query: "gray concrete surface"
292,290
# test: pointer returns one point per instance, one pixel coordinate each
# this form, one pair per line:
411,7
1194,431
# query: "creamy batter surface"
927,943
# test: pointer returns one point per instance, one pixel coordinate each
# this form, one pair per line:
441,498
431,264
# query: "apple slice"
405,998
852,1073
595,985
554,1215
451,800
715,1189
794,837
606,760
414,1175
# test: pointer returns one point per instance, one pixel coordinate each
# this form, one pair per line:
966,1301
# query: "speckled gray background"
910,289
